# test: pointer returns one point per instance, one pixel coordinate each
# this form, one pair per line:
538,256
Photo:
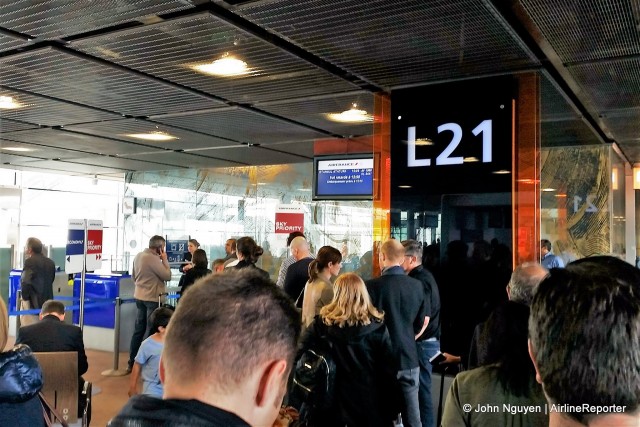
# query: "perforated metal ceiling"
91,72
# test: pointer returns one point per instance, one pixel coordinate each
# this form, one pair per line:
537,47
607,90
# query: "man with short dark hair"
584,331
402,299
547,258
150,272
230,250
227,355
51,333
36,281
428,343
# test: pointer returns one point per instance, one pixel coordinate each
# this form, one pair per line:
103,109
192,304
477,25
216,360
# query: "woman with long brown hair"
318,291
361,350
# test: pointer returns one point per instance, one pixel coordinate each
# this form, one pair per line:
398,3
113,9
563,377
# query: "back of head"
523,281
299,243
393,250
326,255
544,243
225,327
156,242
199,258
160,318
413,248
52,307
293,236
351,304
249,249
585,334
35,245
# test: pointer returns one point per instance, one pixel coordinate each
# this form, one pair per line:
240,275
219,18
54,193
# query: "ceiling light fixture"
423,142
501,172
8,103
153,136
353,115
470,159
404,186
17,149
548,190
226,66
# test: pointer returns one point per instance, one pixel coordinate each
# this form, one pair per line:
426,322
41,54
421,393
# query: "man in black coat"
298,273
36,282
52,334
402,299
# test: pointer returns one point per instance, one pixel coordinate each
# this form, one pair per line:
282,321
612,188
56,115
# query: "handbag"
50,413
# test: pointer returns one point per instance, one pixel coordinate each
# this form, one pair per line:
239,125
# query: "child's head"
160,317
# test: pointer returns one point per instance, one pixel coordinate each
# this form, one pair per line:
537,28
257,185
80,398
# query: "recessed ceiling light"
227,66
470,159
501,172
423,141
353,115
548,190
404,186
17,149
8,103
152,136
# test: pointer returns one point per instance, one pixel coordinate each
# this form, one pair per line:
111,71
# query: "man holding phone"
150,272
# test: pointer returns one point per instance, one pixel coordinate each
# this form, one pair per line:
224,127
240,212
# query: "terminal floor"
110,393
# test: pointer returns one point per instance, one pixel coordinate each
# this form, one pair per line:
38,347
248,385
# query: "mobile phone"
437,359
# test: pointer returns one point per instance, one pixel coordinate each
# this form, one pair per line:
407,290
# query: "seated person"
227,355
51,333
147,360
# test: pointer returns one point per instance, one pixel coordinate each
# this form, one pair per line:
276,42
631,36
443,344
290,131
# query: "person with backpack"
345,365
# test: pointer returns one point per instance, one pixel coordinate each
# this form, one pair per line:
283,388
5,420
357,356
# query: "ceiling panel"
189,160
299,148
12,126
7,42
588,30
6,159
48,112
129,164
121,128
253,155
243,126
39,151
78,142
313,112
58,74
168,50
58,18
68,167
395,43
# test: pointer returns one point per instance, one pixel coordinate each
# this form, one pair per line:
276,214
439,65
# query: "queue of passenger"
230,350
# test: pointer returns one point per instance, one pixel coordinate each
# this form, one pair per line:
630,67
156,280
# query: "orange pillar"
382,177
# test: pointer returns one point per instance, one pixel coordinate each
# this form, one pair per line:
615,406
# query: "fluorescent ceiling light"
227,66
470,159
353,115
153,136
8,103
17,149
548,190
501,172
404,186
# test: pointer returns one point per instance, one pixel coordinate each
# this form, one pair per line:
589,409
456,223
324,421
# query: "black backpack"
314,378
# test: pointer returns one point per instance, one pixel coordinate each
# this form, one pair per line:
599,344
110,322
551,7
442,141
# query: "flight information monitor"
346,177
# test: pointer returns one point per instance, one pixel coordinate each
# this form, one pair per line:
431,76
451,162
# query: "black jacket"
191,276
246,264
148,411
20,382
37,278
365,373
51,334
432,296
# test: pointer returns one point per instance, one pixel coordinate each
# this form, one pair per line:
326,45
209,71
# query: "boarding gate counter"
99,321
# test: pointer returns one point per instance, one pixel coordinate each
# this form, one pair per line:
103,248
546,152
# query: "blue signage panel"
75,242
176,250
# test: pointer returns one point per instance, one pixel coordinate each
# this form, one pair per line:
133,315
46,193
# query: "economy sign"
74,256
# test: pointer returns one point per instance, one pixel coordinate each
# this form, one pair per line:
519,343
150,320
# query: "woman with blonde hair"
20,381
318,291
361,350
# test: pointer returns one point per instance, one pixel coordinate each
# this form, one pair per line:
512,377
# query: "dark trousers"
426,350
143,325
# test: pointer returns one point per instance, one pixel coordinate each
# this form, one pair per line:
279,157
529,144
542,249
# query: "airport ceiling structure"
81,80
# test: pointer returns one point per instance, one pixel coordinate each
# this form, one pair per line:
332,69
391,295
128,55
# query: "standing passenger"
318,292
36,282
150,271
298,272
288,261
248,253
199,269
403,301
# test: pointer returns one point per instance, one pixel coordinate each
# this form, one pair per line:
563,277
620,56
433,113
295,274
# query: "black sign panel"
453,138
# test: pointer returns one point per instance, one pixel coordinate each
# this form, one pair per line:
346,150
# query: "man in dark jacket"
227,354
51,333
403,301
428,343
36,282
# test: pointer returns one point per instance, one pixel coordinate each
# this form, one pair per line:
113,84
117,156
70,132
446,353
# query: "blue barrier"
91,304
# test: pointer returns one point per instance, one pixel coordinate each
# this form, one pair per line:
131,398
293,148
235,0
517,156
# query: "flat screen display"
343,177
